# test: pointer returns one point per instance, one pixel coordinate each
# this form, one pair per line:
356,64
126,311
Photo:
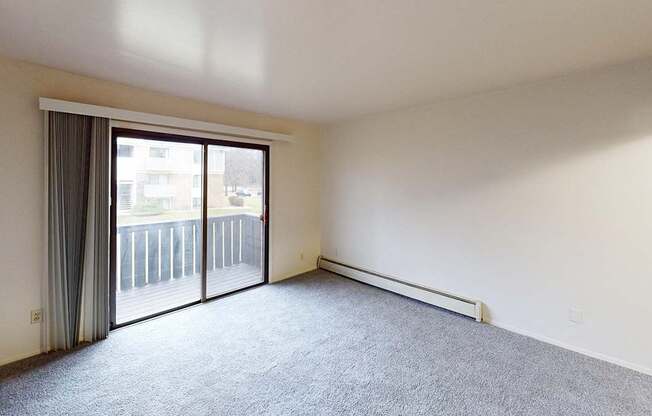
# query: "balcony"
159,191
159,265
160,164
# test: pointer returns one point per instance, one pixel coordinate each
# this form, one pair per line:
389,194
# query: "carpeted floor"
319,344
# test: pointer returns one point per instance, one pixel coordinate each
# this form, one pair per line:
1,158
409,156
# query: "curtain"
95,299
78,230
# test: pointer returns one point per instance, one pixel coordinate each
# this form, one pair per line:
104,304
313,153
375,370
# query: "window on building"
125,150
167,203
158,152
196,181
157,179
216,159
125,196
196,156
196,202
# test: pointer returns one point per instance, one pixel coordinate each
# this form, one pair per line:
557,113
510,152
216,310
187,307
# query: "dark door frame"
205,142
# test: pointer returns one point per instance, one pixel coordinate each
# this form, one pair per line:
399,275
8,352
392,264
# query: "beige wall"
294,183
534,200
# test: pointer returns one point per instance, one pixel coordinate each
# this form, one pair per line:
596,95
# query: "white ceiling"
324,60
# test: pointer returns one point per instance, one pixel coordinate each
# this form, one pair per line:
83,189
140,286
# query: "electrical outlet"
576,315
36,316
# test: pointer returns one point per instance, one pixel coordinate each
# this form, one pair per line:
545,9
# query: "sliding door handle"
263,216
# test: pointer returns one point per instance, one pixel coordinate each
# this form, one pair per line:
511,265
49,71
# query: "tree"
242,167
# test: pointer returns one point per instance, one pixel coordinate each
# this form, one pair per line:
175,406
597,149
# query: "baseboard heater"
459,304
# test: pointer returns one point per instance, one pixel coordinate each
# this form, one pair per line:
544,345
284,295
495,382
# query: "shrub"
236,201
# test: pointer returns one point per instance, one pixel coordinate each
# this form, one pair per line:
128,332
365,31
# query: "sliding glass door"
235,219
188,221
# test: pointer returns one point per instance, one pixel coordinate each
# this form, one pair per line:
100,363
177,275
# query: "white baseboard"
583,351
18,357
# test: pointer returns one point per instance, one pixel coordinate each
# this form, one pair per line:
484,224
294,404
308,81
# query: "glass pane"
159,226
235,229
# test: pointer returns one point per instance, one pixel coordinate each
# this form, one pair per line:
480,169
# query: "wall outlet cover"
36,316
576,315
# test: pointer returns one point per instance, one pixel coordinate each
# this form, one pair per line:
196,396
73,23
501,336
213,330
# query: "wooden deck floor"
138,302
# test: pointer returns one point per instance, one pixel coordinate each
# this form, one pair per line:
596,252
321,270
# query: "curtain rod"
51,104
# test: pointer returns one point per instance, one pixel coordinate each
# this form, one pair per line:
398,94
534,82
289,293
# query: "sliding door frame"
204,142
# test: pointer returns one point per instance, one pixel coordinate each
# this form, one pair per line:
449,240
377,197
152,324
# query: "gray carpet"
319,344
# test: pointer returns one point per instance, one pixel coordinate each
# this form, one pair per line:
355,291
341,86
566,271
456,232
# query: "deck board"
155,297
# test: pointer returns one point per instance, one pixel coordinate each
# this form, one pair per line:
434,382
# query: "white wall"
534,200
294,183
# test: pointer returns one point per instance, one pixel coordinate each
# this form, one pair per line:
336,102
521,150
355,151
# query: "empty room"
311,207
